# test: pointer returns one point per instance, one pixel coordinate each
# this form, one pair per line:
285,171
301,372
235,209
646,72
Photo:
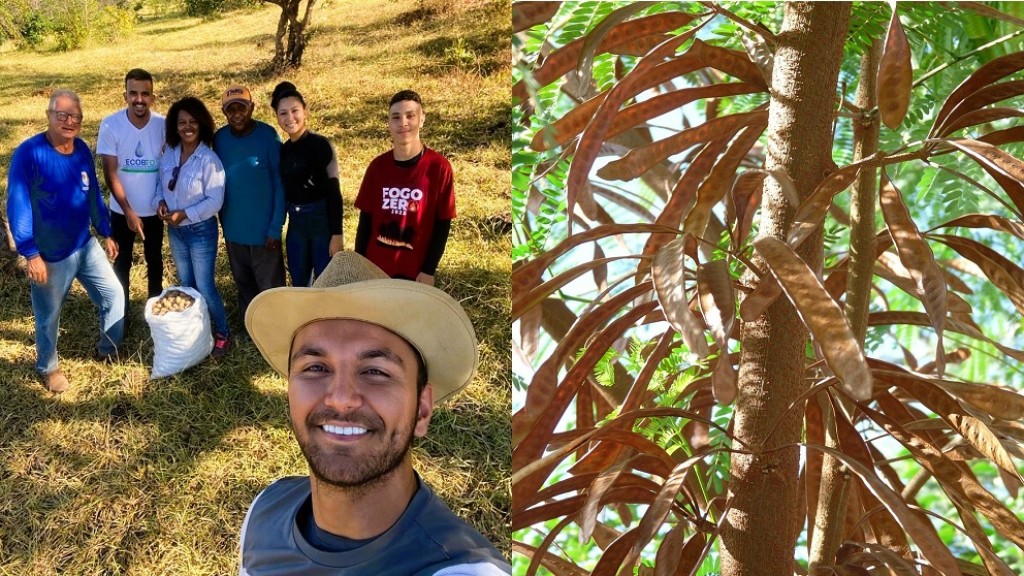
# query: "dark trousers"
308,241
254,269
152,249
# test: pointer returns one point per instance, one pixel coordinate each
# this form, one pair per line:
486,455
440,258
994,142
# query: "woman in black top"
309,169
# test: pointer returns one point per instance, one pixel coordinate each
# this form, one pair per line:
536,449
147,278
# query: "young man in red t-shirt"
406,200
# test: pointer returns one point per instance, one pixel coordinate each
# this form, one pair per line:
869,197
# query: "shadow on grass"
108,459
183,420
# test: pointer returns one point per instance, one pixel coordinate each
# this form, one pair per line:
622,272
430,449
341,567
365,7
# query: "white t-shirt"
138,157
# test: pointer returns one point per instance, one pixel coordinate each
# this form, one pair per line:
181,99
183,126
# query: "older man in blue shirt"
52,197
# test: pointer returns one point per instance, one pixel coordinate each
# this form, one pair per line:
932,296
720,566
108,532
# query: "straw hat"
352,287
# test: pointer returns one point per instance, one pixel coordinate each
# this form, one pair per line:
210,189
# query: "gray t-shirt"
427,540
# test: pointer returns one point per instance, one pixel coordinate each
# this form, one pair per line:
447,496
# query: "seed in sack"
172,301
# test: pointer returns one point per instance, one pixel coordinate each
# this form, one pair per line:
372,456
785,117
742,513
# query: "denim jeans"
90,266
308,241
194,248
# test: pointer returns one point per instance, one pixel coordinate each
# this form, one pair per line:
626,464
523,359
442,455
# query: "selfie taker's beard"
355,468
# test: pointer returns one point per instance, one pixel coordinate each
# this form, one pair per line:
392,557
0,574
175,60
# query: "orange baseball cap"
236,93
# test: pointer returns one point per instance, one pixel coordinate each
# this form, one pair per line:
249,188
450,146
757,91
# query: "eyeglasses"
174,179
64,116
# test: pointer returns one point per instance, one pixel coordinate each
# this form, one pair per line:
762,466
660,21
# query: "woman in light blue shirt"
190,194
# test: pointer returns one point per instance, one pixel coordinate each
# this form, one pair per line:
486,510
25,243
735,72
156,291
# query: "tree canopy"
768,246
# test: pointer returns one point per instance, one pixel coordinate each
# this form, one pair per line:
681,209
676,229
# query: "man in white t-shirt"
130,142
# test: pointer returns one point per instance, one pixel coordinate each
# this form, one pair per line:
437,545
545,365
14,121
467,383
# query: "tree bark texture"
763,521
290,40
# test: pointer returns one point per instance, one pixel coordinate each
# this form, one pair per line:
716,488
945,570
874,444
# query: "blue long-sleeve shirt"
198,187
253,194
52,198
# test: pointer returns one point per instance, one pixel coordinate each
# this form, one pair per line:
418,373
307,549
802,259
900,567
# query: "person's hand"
36,269
272,244
336,245
176,217
134,223
424,278
161,211
111,248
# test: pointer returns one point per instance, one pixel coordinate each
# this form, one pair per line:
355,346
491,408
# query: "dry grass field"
123,475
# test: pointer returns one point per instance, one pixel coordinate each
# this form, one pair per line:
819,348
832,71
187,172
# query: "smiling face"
66,129
138,95
188,129
405,118
239,116
353,402
291,116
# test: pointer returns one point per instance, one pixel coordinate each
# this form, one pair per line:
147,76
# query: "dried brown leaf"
983,116
555,564
655,515
918,259
956,478
1004,168
562,61
1011,482
614,556
640,77
717,300
990,72
890,268
821,314
1003,273
919,319
983,97
724,380
640,160
997,137
746,198
931,394
990,221
981,437
733,62
811,212
895,75
917,527
528,287
575,121
685,190
669,276
994,400
715,186
528,14
755,303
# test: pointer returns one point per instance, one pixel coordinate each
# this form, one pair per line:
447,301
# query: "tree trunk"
290,40
759,535
829,522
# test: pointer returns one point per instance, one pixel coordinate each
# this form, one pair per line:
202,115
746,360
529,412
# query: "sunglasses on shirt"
174,179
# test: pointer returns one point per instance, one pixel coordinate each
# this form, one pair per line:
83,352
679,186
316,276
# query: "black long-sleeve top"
309,170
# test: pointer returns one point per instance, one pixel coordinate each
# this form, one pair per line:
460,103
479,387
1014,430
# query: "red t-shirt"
404,203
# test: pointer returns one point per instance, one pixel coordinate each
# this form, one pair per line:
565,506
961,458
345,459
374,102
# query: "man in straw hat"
367,358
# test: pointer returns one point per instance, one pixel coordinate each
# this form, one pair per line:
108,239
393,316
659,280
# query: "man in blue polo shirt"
254,212
52,197
367,358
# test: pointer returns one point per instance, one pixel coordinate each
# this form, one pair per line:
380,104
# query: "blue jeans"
90,266
194,248
308,242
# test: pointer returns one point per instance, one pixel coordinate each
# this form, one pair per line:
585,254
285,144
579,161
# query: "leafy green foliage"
637,219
